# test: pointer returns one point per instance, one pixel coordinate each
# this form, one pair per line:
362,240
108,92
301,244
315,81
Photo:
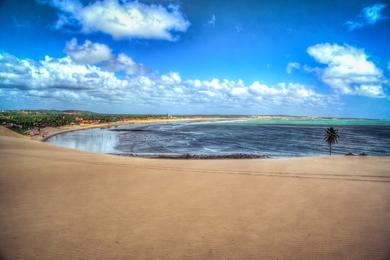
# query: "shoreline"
53,131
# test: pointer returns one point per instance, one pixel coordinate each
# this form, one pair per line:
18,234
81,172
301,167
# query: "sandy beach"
60,203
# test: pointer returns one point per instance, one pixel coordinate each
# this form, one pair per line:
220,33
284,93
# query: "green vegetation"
22,120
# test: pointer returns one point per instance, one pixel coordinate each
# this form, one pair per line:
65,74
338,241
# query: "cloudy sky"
197,57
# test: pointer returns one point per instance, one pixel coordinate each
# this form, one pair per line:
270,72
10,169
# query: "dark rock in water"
350,154
362,154
215,156
199,156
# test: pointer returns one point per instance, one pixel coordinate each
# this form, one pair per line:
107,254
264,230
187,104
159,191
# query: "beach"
60,203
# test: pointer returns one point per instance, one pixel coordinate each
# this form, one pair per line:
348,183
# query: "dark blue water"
210,138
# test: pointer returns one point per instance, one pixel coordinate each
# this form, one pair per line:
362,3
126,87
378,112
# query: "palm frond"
331,136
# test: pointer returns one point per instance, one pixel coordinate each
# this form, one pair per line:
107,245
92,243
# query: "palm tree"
331,137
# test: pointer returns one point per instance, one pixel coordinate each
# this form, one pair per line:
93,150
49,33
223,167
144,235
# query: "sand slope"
7,132
65,204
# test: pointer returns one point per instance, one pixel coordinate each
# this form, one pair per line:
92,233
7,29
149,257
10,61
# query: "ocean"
252,138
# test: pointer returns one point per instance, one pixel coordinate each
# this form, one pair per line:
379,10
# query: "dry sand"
58,203
7,132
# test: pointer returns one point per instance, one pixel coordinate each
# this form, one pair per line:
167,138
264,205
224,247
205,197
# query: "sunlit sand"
60,203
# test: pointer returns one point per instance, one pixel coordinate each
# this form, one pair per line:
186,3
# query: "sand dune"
58,203
7,132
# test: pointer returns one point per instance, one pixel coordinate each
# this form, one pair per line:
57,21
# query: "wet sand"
59,203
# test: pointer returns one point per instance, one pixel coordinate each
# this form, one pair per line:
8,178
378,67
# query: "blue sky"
197,57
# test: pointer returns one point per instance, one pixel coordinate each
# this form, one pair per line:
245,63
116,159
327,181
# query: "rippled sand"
58,203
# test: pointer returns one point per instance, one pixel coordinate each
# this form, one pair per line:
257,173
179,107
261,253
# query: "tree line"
22,120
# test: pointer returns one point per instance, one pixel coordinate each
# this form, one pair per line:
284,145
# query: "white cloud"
348,70
370,90
94,53
171,78
239,91
121,19
67,80
124,63
51,77
261,89
286,91
88,53
292,66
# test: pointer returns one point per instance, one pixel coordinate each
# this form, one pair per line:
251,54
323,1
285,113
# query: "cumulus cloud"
238,91
88,53
94,53
125,64
121,19
348,70
369,15
292,66
171,78
58,78
69,80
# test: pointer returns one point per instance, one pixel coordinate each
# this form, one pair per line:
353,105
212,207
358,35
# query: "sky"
318,58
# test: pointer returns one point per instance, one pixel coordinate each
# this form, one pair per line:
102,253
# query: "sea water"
273,137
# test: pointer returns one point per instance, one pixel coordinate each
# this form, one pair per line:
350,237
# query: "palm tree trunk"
330,150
